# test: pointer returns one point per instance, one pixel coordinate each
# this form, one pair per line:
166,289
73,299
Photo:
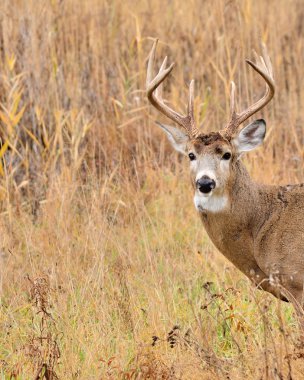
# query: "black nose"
205,184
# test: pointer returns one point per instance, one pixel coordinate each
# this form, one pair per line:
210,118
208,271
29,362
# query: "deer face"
212,160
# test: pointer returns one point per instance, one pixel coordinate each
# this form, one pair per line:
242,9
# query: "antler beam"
262,66
154,93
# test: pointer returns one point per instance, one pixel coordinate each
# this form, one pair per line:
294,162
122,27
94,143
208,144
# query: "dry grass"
106,271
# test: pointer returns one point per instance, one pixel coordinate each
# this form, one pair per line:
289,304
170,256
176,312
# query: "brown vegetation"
105,270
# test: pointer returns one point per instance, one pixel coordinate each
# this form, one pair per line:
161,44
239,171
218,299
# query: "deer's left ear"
250,137
177,138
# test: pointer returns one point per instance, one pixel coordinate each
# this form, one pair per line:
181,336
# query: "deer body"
259,228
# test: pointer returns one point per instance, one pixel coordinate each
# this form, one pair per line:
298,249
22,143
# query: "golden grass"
106,271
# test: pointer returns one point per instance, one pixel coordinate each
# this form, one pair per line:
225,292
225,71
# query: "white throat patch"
210,202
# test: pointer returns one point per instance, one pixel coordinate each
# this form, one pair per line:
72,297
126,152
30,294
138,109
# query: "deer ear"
250,137
177,138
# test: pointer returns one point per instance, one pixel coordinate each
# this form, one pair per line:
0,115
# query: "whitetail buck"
259,228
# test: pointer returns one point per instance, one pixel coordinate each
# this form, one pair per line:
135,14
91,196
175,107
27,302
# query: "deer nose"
205,184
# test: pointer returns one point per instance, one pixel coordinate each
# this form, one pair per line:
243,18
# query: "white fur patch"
210,202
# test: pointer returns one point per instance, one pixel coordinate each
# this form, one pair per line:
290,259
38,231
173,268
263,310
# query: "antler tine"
154,94
159,89
191,99
194,130
262,66
151,63
267,59
232,101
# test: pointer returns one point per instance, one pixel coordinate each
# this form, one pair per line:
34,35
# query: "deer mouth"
200,198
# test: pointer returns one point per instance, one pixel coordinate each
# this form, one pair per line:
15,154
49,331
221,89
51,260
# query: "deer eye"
191,156
226,156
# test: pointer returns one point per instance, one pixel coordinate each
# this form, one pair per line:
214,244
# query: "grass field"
105,269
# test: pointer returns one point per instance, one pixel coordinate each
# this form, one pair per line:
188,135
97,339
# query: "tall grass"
105,269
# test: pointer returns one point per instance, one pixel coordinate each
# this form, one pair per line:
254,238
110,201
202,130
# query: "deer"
259,228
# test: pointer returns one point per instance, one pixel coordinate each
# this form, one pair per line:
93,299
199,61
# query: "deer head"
213,156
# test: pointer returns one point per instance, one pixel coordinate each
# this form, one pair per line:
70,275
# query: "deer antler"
154,93
263,66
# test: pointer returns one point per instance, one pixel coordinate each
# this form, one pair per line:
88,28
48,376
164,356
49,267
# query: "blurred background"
106,271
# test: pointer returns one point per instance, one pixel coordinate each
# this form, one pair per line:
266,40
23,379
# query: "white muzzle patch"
210,202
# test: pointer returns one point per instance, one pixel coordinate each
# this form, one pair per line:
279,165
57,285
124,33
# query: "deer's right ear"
177,138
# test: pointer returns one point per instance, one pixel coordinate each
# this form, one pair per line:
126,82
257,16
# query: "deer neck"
233,229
